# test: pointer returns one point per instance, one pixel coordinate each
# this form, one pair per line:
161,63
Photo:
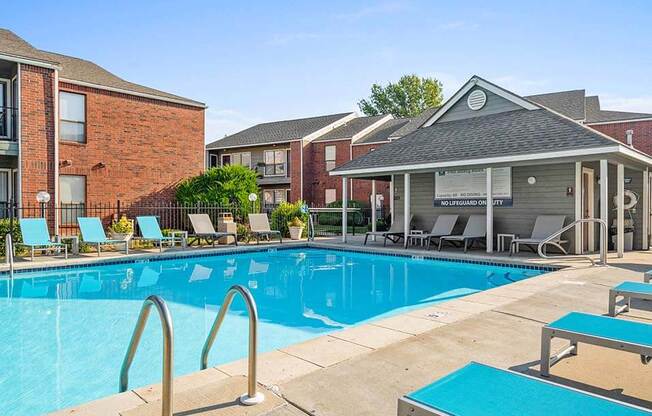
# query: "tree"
406,98
227,185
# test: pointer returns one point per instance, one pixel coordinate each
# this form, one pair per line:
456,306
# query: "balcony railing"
8,123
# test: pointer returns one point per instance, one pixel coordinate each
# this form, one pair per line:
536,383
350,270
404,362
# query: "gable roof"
594,114
277,131
350,128
415,122
569,103
383,132
511,133
81,71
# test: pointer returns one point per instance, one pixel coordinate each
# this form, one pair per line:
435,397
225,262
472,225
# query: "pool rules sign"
468,188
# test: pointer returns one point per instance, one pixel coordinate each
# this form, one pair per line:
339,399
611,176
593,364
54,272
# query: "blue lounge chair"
628,290
603,331
37,237
93,233
481,390
151,231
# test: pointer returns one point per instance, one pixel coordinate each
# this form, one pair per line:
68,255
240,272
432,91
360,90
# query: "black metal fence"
328,221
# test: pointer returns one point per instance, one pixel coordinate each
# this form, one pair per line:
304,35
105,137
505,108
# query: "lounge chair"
478,389
604,331
475,230
151,231
93,233
443,226
259,226
203,228
394,234
647,276
37,237
544,227
628,290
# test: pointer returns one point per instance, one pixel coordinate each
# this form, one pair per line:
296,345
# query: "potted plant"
123,229
296,227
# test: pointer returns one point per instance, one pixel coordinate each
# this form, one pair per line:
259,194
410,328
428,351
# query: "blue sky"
261,61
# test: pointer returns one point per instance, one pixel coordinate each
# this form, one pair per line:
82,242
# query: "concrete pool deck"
363,370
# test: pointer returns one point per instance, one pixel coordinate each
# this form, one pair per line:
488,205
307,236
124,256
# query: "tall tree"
406,98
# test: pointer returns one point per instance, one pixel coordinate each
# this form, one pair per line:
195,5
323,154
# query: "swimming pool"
64,332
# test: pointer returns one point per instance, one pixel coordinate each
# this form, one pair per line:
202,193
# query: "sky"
257,61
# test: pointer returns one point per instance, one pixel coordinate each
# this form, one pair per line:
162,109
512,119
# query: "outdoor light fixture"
532,180
569,191
43,197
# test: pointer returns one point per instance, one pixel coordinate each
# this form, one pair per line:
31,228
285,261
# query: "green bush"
335,218
5,228
286,212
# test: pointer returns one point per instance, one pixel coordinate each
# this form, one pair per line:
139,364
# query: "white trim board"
329,127
633,120
28,61
252,145
476,81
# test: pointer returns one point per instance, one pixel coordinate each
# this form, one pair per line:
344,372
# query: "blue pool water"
63,333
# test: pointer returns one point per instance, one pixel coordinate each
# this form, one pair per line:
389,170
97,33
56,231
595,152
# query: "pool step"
219,398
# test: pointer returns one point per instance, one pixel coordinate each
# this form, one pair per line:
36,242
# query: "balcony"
8,124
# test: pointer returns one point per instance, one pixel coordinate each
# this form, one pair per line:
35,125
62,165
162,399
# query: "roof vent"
477,99
629,134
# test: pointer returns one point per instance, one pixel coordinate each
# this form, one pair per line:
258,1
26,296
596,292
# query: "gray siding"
495,104
258,160
547,196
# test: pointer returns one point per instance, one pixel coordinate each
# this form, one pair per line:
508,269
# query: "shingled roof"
277,131
350,128
518,132
80,70
594,114
568,103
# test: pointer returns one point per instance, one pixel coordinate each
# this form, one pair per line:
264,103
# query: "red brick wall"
642,133
296,148
37,131
320,178
361,187
146,146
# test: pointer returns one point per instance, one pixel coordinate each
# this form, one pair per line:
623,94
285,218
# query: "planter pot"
295,232
120,236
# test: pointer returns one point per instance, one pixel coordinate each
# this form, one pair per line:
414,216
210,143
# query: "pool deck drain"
363,370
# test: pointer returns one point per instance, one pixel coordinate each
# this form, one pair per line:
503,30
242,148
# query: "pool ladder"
250,398
9,254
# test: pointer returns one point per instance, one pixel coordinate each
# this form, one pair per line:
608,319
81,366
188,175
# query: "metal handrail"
311,228
252,396
168,349
603,239
9,254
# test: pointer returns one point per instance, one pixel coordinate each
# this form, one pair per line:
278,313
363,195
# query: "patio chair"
151,231
479,389
93,233
628,291
394,234
544,227
259,225
603,331
37,237
443,226
475,230
203,228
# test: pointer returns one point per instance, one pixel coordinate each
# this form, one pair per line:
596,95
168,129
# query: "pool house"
489,151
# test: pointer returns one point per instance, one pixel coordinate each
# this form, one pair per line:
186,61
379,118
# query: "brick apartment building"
86,136
307,149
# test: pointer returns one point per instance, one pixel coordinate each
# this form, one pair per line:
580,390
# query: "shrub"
296,222
285,212
5,228
122,226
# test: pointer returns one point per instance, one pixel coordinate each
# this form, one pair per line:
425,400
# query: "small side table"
413,239
501,241
182,235
74,239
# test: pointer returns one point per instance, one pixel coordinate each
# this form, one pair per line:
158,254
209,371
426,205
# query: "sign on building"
468,188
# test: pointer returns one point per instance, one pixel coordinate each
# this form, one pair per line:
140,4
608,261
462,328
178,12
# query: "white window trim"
71,121
326,193
10,183
285,164
326,160
235,154
8,105
211,157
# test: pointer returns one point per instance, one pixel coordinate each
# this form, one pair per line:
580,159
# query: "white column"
490,212
391,200
406,208
345,203
373,209
620,212
646,210
604,200
579,228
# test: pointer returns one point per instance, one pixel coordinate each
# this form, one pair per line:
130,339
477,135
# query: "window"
72,110
329,156
275,196
330,196
4,108
72,191
212,161
243,159
275,162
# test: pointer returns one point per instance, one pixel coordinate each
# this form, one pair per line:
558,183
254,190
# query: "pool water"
63,333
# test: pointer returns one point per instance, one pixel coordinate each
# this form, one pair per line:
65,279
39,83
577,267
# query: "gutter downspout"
19,171
56,150
301,171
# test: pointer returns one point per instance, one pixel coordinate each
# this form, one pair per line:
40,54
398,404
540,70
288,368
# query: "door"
588,209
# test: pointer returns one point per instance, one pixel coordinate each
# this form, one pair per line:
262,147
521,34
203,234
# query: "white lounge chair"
443,226
394,234
475,230
628,290
259,225
203,228
544,227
